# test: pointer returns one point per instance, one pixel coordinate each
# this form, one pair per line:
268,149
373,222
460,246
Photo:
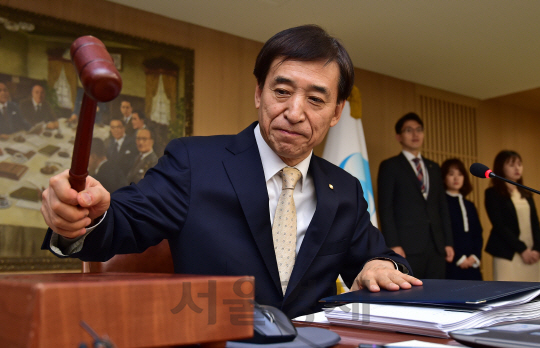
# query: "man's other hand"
399,250
378,274
449,253
68,212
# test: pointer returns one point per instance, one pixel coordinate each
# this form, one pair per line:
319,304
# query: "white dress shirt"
410,158
305,198
119,142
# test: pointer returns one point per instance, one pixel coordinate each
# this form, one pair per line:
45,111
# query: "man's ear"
337,113
398,137
258,92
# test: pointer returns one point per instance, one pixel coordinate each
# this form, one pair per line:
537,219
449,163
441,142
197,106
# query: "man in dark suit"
36,109
102,169
121,149
412,204
146,158
11,120
220,201
127,115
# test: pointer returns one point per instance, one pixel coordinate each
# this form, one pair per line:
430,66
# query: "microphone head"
480,170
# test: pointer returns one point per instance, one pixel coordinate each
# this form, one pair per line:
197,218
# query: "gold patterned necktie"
284,228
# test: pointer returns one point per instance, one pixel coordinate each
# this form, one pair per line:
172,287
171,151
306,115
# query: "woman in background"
466,227
516,229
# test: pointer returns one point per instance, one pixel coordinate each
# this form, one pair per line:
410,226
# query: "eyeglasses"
142,138
410,130
117,127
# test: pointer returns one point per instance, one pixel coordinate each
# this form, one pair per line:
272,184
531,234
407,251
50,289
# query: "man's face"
38,94
144,141
411,137
4,93
117,129
297,105
136,121
125,108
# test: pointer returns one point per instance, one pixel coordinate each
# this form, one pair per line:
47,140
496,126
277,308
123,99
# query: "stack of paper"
421,314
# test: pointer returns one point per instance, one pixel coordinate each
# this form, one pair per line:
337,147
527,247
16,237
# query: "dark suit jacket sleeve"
367,243
535,225
444,214
495,207
475,227
385,186
142,215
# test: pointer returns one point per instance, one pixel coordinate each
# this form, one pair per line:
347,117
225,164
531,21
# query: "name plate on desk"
132,309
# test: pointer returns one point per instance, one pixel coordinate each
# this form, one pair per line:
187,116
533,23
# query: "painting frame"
181,125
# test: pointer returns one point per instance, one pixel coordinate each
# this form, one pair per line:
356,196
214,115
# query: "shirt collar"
146,154
454,194
409,155
271,162
35,104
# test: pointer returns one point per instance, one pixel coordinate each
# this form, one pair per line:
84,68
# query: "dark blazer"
139,168
11,120
109,176
465,243
124,158
407,219
504,238
129,126
208,197
32,116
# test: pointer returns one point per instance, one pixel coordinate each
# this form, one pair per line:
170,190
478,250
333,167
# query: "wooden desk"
133,309
351,337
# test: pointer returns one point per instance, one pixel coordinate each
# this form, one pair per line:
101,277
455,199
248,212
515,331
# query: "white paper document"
433,321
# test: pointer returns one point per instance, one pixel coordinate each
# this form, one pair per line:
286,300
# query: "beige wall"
224,87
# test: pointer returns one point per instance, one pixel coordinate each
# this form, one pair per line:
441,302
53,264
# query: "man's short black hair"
308,43
140,113
98,147
408,117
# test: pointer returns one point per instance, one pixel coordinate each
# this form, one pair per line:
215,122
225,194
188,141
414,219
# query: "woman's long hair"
498,168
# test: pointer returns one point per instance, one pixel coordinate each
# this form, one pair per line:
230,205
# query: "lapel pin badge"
331,186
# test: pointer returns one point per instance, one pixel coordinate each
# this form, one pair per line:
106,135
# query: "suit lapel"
327,204
247,178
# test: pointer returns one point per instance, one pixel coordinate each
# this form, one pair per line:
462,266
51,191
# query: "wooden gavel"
102,83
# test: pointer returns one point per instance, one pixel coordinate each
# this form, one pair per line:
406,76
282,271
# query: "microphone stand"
513,183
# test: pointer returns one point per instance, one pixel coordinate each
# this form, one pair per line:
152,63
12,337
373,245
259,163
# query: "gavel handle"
83,143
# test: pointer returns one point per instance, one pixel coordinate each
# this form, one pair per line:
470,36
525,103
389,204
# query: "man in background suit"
36,109
146,158
121,149
126,109
213,198
11,120
412,205
102,169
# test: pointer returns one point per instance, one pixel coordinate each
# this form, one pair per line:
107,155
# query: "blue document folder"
441,292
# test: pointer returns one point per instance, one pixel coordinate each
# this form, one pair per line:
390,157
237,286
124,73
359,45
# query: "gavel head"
99,77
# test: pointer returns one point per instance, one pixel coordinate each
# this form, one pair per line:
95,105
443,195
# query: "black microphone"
482,171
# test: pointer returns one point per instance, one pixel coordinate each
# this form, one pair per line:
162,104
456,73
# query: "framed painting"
40,97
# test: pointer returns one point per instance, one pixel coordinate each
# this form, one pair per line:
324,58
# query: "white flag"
346,147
